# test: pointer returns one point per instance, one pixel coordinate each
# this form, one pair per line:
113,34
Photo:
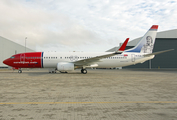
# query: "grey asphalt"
127,94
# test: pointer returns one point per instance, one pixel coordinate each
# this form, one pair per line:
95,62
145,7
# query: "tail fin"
146,44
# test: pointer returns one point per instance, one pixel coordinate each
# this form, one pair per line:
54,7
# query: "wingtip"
127,39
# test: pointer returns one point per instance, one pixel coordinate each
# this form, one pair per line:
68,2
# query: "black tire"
19,71
81,70
84,71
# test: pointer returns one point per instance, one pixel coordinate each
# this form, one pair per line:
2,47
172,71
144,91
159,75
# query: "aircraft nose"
5,61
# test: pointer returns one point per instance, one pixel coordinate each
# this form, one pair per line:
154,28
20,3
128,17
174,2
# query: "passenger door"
133,57
22,58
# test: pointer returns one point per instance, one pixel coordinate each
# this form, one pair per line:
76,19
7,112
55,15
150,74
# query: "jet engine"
65,66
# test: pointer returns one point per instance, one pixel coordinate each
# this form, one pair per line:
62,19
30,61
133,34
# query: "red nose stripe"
26,60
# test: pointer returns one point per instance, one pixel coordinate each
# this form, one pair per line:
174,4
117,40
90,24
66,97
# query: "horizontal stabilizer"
155,53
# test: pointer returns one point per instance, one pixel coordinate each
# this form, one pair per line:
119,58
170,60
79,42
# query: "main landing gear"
84,71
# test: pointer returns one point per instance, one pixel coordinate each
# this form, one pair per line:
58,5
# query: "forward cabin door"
22,58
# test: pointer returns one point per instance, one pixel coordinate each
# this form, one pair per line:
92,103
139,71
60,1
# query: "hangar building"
9,48
164,40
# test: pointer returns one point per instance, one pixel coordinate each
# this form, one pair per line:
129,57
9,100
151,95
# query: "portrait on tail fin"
148,46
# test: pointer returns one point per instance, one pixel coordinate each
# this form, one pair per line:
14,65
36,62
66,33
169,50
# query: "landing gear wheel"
19,71
53,71
84,71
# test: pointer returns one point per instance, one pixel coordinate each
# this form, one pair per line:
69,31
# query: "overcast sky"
82,25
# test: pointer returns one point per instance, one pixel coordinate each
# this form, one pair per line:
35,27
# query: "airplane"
62,62
69,61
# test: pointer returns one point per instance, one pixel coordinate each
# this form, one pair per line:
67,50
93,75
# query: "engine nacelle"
65,66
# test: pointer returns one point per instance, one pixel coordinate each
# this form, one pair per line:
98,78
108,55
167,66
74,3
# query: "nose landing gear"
19,71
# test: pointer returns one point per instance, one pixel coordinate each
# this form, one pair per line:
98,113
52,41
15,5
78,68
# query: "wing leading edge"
89,61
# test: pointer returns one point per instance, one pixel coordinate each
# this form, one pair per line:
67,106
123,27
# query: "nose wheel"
84,71
19,71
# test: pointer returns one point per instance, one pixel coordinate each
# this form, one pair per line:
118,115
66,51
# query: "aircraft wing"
155,53
97,58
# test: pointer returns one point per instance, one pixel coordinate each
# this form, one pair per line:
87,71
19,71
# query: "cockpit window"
12,57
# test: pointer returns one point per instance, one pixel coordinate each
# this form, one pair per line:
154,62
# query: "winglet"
122,48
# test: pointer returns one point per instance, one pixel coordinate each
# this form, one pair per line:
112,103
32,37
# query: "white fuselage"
50,59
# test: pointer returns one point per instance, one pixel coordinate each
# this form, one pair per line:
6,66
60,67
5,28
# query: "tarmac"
127,94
